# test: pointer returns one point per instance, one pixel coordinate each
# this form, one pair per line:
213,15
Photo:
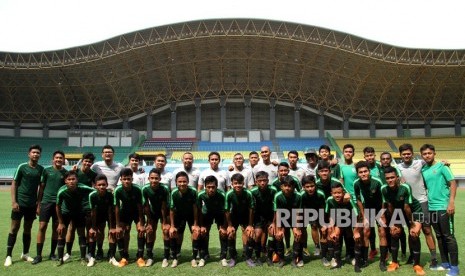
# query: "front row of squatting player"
264,199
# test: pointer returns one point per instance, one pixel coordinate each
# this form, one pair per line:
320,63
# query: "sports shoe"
300,263
372,254
53,257
453,271
66,257
382,266
123,262
357,269
140,262
306,252
99,255
280,263
113,261
149,262
201,263
8,261
250,263
224,262
392,267
232,263
26,257
37,259
275,258
434,266
60,262
444,266
91,262
288,252
165,263
325,262
174,263
333,262
269,262
194,263
317,252
418,270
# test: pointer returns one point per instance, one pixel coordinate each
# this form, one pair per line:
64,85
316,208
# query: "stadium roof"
342,74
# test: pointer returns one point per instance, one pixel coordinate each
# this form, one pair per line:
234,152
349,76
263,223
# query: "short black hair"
390,169
180,174
135,156
155,170
368,150
323,164
101,177
289,180
125,172
211,179
261,174
70,173
361,164
427,146
405,147
308,179
108,147
35,146
58,152
88,155
238,177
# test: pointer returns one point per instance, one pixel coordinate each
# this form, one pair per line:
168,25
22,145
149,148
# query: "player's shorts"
155,217
239,220
180,223
262,222
79,219
129,217
209,218
47,211
425,219
29,213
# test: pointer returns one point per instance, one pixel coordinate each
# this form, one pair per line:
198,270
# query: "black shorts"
29,213
79,220
47,211
425,218
262,222
180,223
239,220
209,218
129,217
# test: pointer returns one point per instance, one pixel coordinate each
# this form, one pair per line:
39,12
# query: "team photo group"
340,211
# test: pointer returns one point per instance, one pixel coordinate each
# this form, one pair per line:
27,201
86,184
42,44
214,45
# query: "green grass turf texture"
74,267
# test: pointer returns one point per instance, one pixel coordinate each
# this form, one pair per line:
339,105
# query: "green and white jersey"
437,178
101,203
86,178
288,203
349,175
52,179
277,183
155,197
369,193
71,202
316,201
127,200
239,204
211,204
264,200
326,187
332,204
400,196
182,203
27,180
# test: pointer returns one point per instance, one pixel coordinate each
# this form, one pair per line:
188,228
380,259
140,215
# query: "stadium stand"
167,144
233,146
287,144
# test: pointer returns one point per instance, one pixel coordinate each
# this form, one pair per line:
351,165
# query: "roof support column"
126,122
198,118
173,120
345,127
400,128
297,107
321,123
248,112
272,119
223,112
458,126
17,129
428,127
372,128
149,124
45,129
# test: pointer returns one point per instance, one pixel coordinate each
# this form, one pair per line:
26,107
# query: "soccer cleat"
60,262
300,263
99,255
418,270
52,257
174,263
444,266
201,263
325,262
149,262
275,258
434,266
113,261
280,263
333,262
317,252
8,261
165,263
269,262
194,263
453,271
306,252
37,259
382,266
232,263
123,262
91,262
288,252
372,254
392,267
224,263
140,262
250,263
26,258
357,269
66,257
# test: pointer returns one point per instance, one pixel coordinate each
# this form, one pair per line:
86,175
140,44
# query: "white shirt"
249,181
193,174
271,169
222,176
112,172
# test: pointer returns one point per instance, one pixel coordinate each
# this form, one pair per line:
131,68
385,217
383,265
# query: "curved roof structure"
327,70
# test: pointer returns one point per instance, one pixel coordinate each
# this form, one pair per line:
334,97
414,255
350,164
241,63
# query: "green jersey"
101,203
182,203
155,197
27,181
52,180
127,200
316,201
277,183
376,170
288,203
326,187
332,205
211,204
400,196
348,175
86,178
264,200
239,204
335,171
383,178
369,193
71,201
437,178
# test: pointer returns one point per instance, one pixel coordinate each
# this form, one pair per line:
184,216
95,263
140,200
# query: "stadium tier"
287,144
379,145
167,144
233,146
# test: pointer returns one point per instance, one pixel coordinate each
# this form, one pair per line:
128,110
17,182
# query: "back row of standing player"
414,172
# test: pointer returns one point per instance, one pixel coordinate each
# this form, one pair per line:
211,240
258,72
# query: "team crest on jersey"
373,191
401,198
434,171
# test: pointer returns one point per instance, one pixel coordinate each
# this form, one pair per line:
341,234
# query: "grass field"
74,267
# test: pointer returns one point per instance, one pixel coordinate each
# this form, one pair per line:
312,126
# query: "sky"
43,25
